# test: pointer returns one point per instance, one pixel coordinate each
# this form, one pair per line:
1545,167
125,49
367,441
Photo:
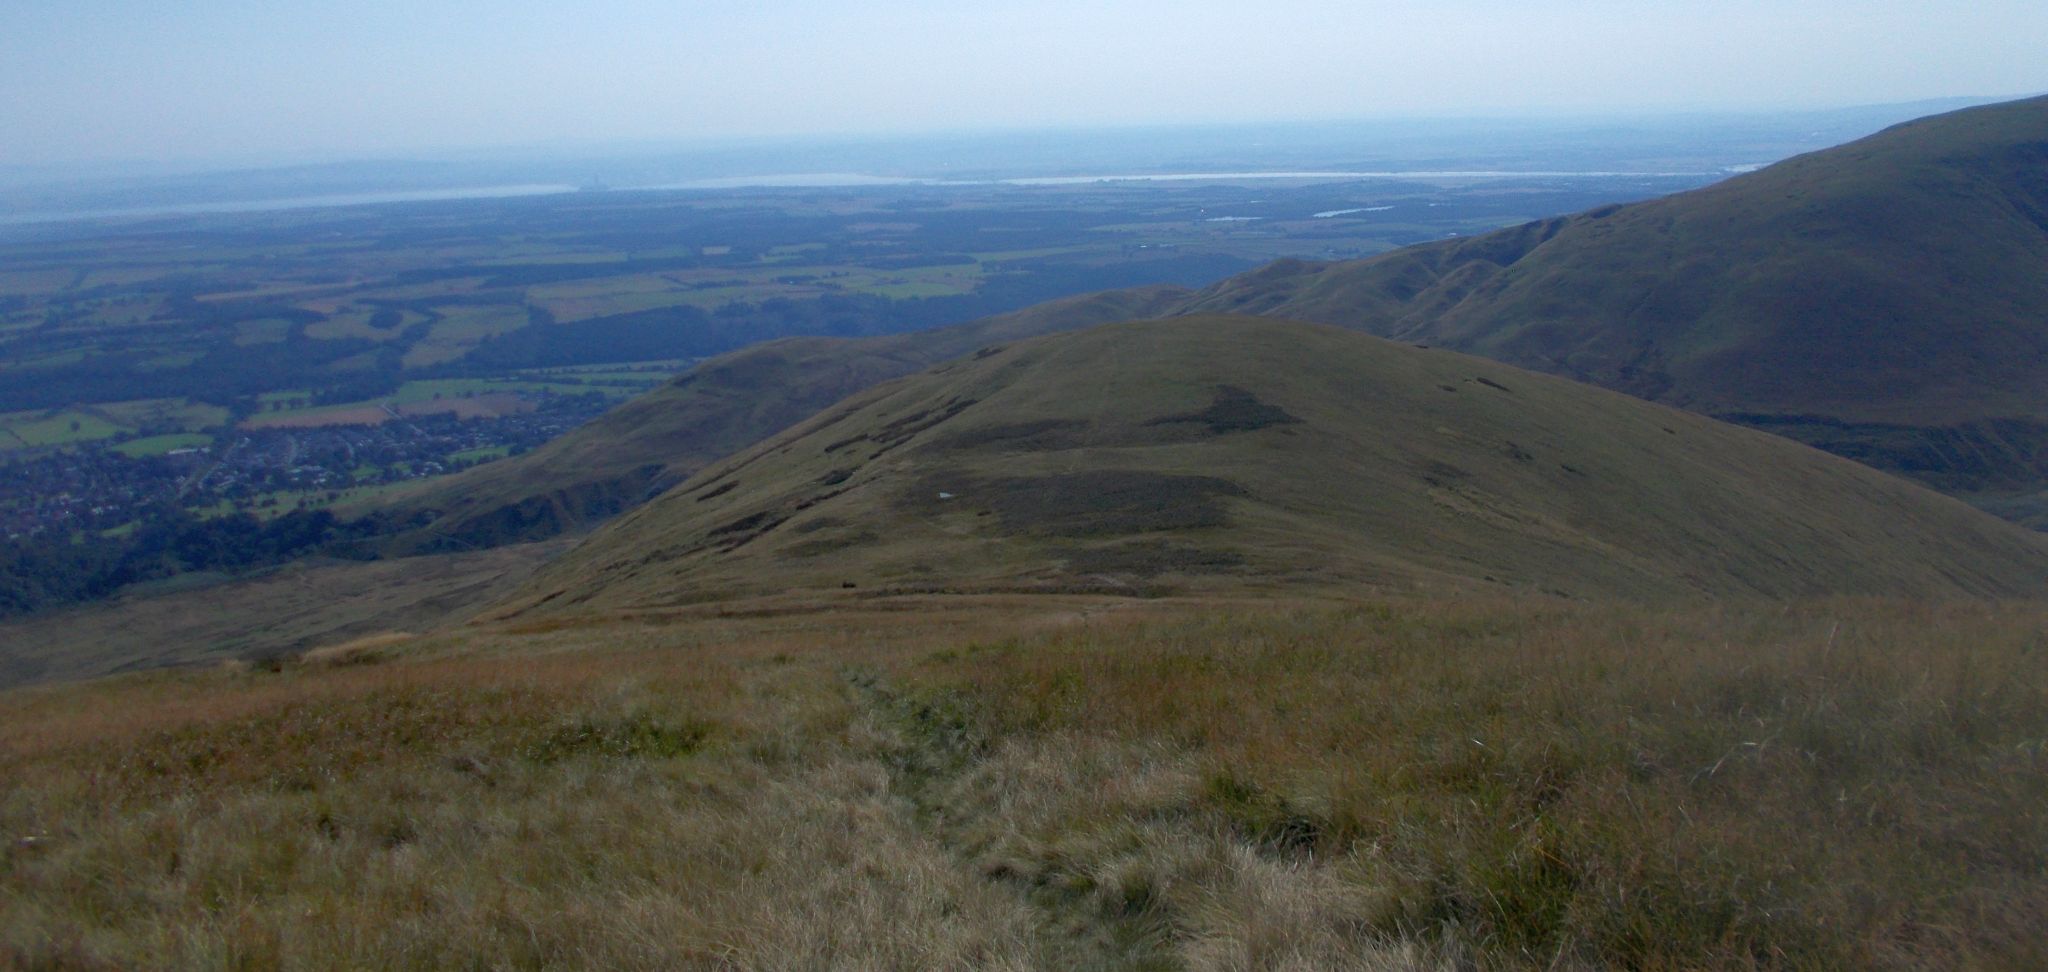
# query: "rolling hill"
1886,299
723,405
1232,453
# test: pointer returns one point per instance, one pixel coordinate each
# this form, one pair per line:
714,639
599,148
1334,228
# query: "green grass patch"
656,367
68,427
460,332
157,445
481,454
290,398
414,392
908,290
58,359
632,378
266,331
357,325
147,413
170,361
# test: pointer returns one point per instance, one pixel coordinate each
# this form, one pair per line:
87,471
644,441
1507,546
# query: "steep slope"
1886,299
721,406
1229,452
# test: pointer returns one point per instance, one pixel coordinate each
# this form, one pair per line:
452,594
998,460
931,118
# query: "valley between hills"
1623,589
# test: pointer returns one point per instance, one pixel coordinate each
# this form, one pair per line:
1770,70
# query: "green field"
286,407
617,377
357,325
459,332
413,392
157,445
32,430
159,412
261,332
173,312
157,421
170,361
481,454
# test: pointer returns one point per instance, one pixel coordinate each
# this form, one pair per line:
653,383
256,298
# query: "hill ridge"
1219,453
637,450
1615,296
1891,286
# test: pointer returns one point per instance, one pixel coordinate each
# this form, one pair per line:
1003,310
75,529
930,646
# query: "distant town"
266,471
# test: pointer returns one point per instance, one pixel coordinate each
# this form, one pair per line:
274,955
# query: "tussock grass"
1304,785
1831,784
359,651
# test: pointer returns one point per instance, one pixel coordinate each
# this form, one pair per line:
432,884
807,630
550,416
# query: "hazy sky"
278,79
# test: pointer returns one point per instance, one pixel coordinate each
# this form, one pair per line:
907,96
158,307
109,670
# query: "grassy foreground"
1060,783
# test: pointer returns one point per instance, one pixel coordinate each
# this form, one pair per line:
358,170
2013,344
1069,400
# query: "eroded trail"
937,761
1114,851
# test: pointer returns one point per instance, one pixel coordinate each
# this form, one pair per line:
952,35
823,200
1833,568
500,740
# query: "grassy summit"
1214,453
723,405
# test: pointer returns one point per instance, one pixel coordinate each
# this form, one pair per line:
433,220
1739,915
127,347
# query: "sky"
285,80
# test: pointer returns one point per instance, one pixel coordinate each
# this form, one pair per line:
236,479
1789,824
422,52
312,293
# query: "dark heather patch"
905,420
1047,435
988,352
632,737
821,523
730,485
902,429
825,545
832,420
1439,473
1993,454
746,530
1100,503
1490,383
1234,410
1150,558
835,477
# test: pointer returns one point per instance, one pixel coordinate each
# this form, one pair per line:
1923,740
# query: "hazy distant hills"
1701,141
1886,300
1208,453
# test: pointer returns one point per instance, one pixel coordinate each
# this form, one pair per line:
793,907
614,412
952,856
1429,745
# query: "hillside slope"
1227,453
719,407
1886,299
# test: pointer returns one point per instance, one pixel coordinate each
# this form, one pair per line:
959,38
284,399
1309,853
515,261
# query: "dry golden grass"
358,651
270,613
1078,783
1846,783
